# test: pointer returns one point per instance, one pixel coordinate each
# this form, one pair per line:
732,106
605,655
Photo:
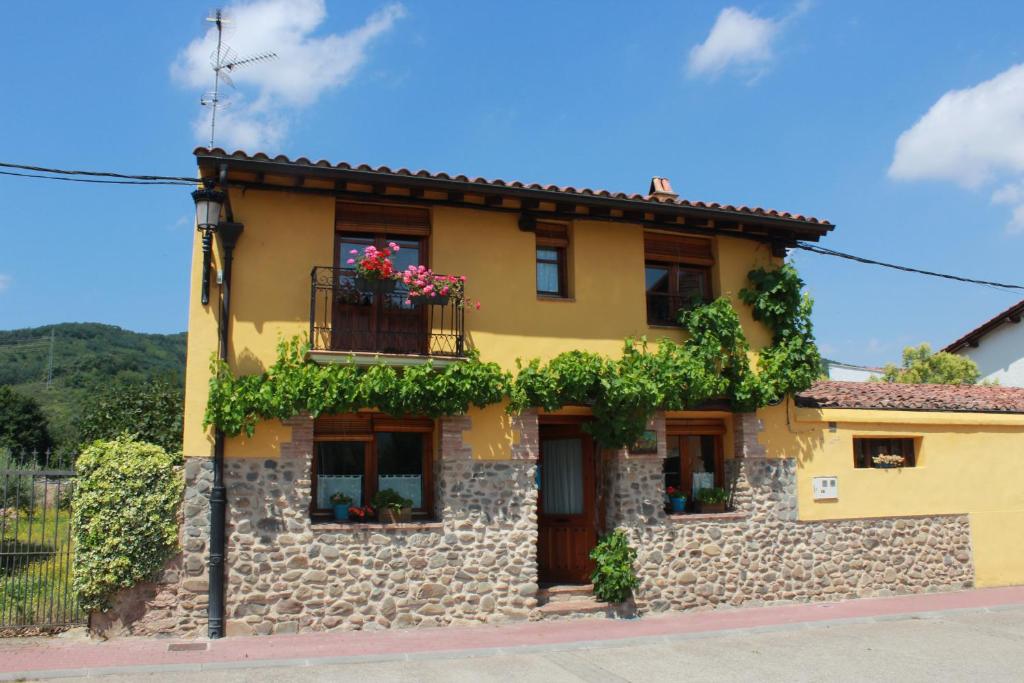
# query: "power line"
96,180
106,174
907,269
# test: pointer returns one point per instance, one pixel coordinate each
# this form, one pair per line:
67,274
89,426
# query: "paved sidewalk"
56,658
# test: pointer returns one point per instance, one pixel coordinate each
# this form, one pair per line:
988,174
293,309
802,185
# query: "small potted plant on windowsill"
391,507
887,461
711,499
676,499
360,514
374,270
340,502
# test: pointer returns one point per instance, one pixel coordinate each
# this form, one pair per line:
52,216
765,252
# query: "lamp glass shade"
208,204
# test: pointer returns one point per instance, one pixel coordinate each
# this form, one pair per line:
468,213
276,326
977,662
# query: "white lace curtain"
562,477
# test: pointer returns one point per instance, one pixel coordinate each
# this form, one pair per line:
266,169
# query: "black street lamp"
208,205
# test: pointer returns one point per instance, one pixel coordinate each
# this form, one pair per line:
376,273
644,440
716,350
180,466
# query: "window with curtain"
362,454
563,477
552,267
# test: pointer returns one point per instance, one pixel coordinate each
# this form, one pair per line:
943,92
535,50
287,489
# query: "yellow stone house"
502,506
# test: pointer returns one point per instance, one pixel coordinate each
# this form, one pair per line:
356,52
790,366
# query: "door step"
566,593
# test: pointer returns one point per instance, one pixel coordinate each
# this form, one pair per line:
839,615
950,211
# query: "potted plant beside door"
340,503
374,270
676,499
711,499
391,507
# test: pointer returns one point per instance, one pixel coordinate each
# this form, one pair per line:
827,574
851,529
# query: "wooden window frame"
554,236
364,427
677,429
677,254
896,445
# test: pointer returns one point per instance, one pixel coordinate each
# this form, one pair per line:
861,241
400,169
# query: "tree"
921,366
151,411
23,427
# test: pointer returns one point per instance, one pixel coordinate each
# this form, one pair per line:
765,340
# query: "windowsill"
665,326
555,297
377,527
683,517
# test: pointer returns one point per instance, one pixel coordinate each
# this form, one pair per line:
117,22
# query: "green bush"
151,410
124,516
614,577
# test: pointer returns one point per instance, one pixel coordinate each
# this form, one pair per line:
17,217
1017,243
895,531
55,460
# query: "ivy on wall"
624,393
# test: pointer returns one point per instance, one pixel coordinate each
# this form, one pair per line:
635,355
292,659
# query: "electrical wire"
110,177
906,269
98,181
106,174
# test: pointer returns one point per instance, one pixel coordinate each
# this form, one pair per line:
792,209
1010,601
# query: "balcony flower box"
424,286
375,273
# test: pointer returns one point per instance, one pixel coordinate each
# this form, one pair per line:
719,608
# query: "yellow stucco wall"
286,234
966,463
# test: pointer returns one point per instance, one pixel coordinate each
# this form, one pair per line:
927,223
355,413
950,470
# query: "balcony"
345,319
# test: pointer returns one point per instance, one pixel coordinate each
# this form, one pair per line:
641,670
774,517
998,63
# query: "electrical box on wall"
826,488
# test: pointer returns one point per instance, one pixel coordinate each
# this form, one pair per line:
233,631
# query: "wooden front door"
567,518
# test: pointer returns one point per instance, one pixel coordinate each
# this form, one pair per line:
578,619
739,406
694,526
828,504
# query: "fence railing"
345,315
36,590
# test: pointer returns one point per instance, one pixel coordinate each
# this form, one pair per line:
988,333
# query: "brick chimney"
661,188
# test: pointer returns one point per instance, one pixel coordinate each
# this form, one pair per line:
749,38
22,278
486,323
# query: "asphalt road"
970,645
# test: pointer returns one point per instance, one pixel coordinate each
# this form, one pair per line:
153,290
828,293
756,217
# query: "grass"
35,568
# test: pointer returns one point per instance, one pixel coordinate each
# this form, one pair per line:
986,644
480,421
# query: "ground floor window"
883,453
695,459
359,455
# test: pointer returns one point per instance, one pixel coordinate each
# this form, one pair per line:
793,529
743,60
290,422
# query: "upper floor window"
677,274
360,454
884,453
552,259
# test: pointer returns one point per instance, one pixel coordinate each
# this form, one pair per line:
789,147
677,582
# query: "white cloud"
5,282
974,138
740,41
306,67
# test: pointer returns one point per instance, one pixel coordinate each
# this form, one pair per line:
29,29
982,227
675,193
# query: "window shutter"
343,425
379,218
678,249
552,234
693,427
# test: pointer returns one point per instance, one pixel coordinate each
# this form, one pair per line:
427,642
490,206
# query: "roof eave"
805,229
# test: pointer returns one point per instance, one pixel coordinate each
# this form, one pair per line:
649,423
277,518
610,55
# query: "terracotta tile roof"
659,197
1011,314
966,398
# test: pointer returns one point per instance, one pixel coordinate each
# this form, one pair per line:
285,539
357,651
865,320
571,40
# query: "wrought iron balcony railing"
348,315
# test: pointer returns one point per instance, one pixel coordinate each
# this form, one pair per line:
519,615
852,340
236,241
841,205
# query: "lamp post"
208,205
209,202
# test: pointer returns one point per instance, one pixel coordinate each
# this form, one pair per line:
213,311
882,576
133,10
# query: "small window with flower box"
357,456
695,461
883,453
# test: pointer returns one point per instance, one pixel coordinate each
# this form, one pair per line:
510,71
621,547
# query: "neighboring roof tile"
968,398
1013,313
498,182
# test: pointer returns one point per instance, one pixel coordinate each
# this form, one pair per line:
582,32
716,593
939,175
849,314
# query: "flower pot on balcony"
434,299
389,515
375,285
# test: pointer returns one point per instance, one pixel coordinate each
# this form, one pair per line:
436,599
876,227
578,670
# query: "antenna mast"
225,59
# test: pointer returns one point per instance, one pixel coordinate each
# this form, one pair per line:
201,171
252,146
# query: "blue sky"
792,106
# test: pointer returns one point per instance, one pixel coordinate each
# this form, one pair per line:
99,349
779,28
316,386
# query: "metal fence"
36,591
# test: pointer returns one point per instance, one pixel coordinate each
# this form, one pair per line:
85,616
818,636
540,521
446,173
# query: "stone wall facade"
478,562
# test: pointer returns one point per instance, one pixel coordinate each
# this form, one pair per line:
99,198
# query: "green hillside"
87,357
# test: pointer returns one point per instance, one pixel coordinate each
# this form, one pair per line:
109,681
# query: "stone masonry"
760,552
477,563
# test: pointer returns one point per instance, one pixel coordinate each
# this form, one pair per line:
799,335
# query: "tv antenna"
224,60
